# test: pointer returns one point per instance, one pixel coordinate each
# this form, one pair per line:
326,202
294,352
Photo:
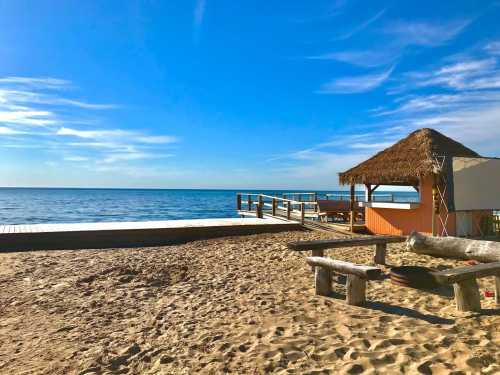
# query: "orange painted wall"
403,222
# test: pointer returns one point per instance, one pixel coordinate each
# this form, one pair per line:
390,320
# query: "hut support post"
368,192
353,197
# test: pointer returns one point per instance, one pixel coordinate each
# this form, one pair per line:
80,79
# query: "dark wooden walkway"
130,234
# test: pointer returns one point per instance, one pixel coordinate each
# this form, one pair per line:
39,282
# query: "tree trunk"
453,247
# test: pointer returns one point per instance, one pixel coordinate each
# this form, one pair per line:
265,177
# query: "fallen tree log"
453,247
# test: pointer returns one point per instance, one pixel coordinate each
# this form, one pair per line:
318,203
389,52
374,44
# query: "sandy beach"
242,305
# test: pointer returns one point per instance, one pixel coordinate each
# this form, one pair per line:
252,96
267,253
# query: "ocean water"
34,206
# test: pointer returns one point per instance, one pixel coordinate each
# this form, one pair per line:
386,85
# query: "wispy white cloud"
493,48
76,158
425,33
363,58
118,157
355,84
91,134
39,111
361,26
27,117
37,82
8,131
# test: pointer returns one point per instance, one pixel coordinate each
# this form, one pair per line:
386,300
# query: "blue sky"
236,94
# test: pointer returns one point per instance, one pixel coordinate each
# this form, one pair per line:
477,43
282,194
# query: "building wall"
403,222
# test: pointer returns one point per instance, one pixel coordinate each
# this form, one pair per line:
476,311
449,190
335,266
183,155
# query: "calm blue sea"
32,206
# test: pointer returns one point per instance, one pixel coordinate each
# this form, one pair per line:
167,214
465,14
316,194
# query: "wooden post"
368,192
258,209
249,203
380,251
274,206
497,289
302,212
288,210
352,207
238,202
323,281
356,290
467,295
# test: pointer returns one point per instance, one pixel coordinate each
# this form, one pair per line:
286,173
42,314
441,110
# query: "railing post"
288,210
261,201
302,212
238,201
249,203
258,208
274,206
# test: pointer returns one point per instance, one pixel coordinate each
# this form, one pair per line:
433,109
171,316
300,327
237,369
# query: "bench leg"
497,289
323,281
356,290
380,251
467,295
317,253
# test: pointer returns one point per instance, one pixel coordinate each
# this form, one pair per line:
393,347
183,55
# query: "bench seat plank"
455,275
343,242
365,272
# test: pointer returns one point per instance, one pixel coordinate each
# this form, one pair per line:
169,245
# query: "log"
467,295
365,272
453,247
323,281
380,251
356,290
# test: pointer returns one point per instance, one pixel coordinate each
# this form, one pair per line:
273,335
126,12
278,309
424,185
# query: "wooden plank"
344,242
455,275
366,272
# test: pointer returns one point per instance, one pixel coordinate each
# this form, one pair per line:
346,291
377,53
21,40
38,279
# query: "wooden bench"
465,285
318,247
337,209
357,275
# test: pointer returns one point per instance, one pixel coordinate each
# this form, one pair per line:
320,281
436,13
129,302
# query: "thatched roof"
405,162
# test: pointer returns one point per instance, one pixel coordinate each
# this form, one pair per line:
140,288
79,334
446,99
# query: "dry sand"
242,305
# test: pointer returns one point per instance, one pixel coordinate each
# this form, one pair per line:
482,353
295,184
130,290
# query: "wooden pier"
303,208
131,234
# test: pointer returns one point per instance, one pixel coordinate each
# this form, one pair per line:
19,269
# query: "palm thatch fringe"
407,161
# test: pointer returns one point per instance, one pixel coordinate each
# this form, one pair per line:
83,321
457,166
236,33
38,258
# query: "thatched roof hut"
407,161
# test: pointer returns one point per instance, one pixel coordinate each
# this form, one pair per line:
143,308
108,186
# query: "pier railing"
273,205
